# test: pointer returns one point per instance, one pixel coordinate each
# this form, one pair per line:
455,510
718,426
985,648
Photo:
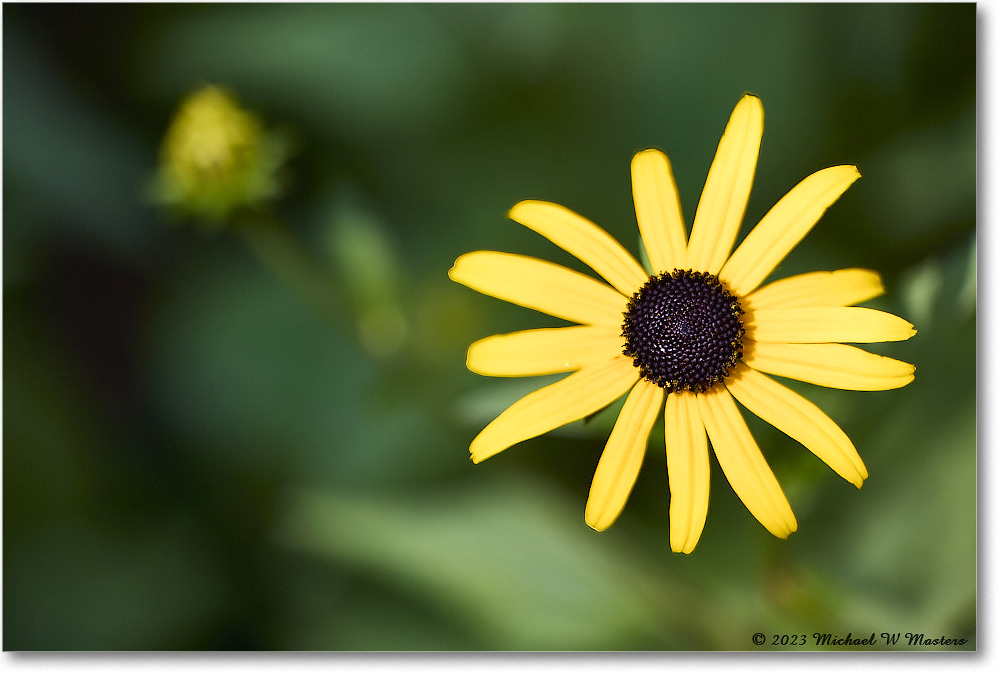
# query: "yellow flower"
691,339
216,157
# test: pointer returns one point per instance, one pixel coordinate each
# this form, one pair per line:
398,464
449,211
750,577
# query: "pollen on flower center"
683,330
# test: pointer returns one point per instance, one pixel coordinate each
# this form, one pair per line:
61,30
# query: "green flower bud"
216,157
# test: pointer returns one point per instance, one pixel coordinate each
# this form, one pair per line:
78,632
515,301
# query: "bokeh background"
194,457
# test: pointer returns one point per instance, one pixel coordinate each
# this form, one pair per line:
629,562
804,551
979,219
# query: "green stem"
277,248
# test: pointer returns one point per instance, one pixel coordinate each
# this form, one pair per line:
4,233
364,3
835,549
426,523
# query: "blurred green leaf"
498,558
371,72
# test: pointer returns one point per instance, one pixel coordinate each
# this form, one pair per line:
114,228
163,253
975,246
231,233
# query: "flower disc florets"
684,330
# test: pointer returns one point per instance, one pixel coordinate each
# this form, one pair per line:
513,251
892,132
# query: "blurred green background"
193,458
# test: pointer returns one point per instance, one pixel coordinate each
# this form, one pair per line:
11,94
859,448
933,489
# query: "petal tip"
595,522
480,450
683,543
648,152
859,477
751,99
788,529
851,172
519,206
470,358
455,271
784,529
752,107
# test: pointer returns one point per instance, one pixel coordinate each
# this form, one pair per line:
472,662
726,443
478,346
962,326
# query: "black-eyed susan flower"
689,339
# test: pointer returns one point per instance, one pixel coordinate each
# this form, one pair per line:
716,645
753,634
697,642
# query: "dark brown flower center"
684,330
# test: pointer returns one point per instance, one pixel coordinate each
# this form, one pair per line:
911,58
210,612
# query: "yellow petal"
826,324
687,470
658,210
828,365
571,398
817,289
799,418
784,226
621,460
588,242
544,350
744,466
727,188
540,285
